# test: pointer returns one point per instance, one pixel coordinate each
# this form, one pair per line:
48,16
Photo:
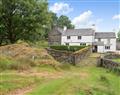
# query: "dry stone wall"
70,57
107,62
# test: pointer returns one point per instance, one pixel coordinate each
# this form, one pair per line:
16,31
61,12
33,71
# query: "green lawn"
117,60
11,82
86,80
60,79
81,81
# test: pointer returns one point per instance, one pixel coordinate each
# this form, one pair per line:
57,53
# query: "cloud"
116,16
86,20
62,8
83,19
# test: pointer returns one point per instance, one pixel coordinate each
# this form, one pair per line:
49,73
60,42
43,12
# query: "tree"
64,21
54,19
119,35
23,19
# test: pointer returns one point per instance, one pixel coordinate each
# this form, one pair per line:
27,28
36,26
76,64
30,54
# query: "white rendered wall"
75,41
100,49
112,44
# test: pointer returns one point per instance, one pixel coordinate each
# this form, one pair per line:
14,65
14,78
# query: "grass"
81,81
55,79
11,82
74,80
117,60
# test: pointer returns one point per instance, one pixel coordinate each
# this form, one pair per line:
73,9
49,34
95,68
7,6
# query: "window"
68,37
107,47
99,39
67,44
79,37
83,44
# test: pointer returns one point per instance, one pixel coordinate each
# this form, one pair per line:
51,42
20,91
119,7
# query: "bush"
67,48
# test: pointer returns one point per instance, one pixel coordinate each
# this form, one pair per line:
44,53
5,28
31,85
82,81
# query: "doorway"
95,48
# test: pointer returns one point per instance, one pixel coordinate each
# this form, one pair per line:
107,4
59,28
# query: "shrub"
67,48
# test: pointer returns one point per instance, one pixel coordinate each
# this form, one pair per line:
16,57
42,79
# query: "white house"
105,41
101,41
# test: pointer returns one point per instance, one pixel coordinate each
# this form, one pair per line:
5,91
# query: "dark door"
95,48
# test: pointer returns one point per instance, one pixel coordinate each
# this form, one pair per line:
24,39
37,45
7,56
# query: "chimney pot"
65,28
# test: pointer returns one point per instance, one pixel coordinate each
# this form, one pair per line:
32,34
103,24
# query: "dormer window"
68,37
79,37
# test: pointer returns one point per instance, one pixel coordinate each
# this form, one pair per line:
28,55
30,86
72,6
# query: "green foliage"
119,35
39,44
67,48
61,21
64,21
23,19
54,19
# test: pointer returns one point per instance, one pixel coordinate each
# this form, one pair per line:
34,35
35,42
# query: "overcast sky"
105,14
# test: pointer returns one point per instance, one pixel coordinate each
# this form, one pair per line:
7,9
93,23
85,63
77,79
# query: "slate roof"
86,32
78,32
104,35
98,43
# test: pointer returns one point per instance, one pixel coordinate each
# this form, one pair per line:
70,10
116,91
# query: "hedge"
67,48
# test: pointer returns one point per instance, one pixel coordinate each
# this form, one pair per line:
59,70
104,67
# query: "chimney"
65,28
93,27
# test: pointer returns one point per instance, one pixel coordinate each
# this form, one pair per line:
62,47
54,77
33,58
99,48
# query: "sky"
105,14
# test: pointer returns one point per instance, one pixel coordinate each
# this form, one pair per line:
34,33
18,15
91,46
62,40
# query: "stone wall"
70,57
106,62
111,55
54,37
